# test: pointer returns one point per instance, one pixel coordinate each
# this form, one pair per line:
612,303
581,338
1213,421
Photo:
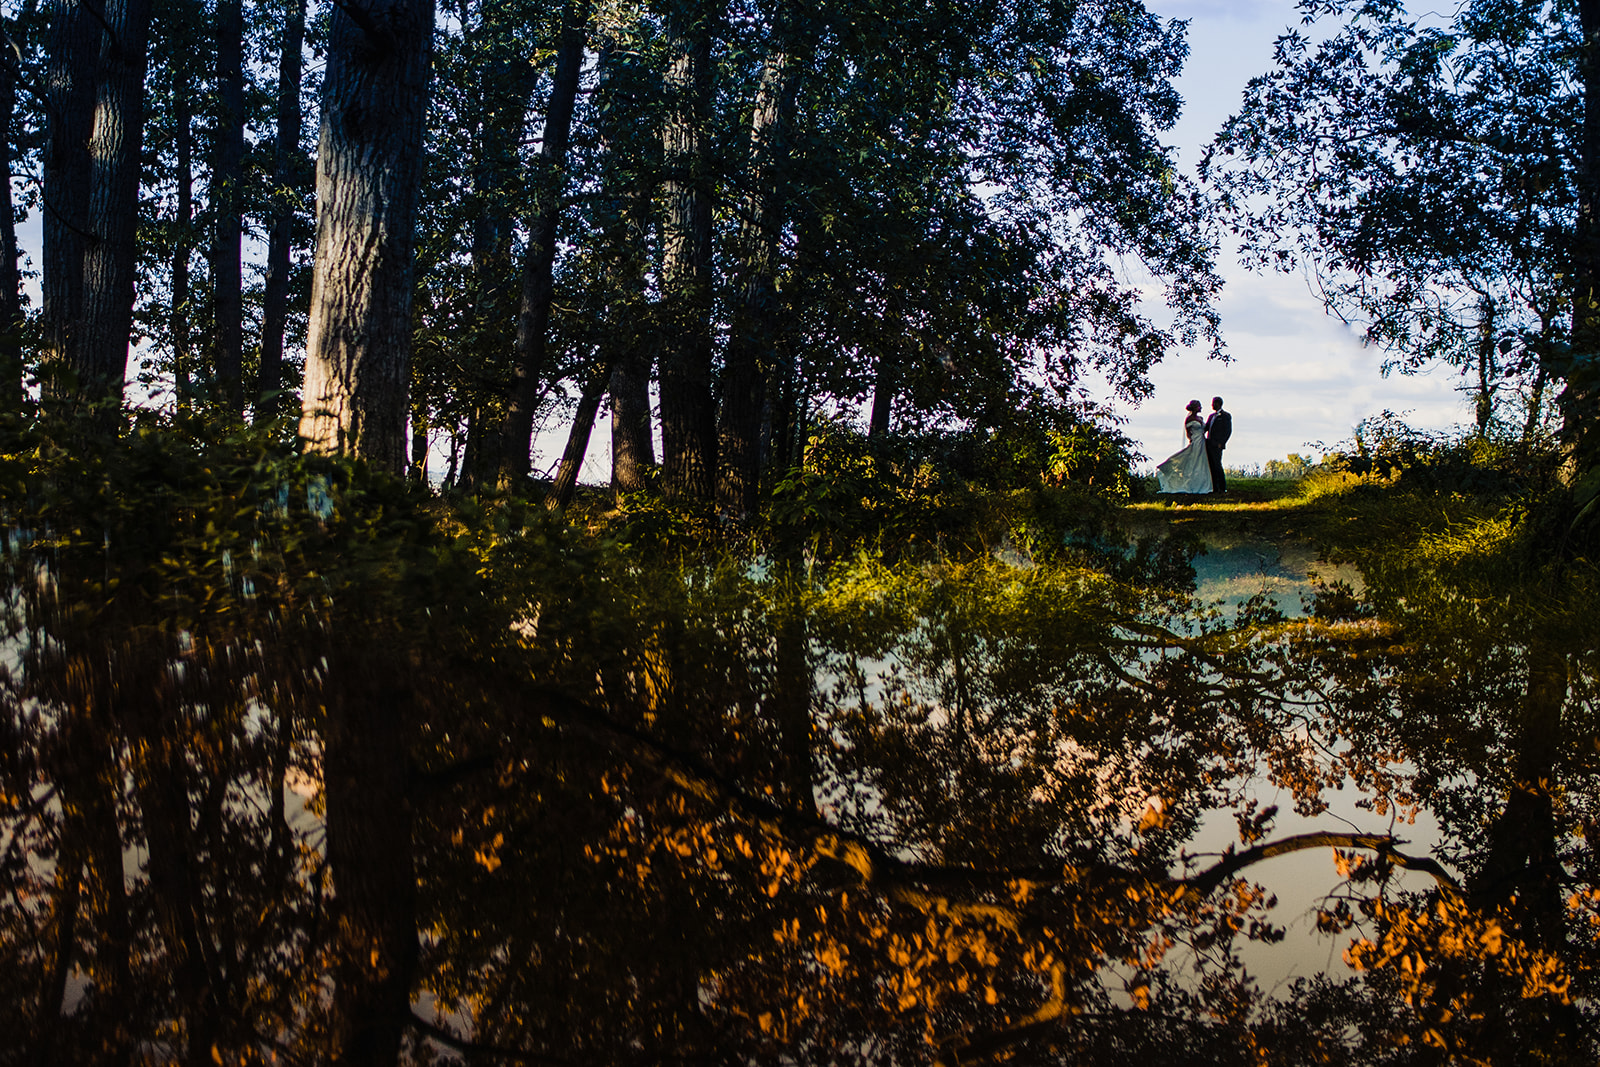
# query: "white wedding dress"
1188,471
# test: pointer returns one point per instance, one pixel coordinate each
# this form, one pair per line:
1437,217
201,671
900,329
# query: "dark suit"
1219,427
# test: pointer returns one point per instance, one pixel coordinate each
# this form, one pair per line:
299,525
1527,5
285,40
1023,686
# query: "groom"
1219,427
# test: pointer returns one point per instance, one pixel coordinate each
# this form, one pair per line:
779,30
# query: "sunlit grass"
1243,494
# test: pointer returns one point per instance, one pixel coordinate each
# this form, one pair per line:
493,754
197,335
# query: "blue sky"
1298,376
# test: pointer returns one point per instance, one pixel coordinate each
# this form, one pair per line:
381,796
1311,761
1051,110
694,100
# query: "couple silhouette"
1198,467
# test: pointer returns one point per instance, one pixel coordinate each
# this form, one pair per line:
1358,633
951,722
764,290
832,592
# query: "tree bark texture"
115,140
566,480
633,451
287,165
11,320
538,280
69,100
632,332
1580,400
748,359
420,427
183,245
890,355
505,90
688,412
883,390
369,166
227,176
1488,371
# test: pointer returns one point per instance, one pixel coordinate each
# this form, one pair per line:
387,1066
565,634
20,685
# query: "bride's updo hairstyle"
1194,406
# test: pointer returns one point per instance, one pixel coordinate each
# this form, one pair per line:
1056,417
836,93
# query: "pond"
917,808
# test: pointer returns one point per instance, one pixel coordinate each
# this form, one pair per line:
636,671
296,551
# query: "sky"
1299,380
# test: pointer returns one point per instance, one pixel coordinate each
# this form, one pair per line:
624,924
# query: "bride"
1188,471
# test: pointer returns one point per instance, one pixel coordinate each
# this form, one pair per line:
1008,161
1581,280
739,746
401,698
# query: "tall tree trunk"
369,166
566,480
631,332
1580,400
883,392
287,165
100,357
688,413
183,242
505,92
70,77
538,281
748,359
889,357
419,443
181,912
472,450
1530,425
632,447
90,782
11,320
1488,373
227,176
781,396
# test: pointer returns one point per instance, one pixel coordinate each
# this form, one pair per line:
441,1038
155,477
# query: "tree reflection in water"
581,797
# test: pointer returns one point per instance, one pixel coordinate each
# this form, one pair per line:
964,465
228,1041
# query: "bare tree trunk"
1488,372
65,907
419,444
474,468
183,247
101,359
748,360
287,164
1580,400
632,447
227,174
631,333
1541,378
883,392
11,320
688,412
181,912
90,815
69,107
890,356
538,281
566,481
369,166
505,95
781,396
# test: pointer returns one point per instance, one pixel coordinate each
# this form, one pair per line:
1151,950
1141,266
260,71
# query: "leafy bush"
1386,448
849,489
911,489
